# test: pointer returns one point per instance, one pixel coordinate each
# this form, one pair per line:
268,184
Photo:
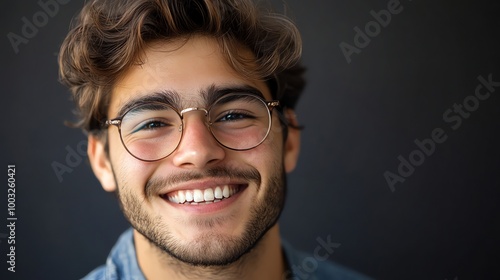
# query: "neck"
265,261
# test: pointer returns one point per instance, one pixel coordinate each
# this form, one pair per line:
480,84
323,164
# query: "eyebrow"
167,96
173,98
215,92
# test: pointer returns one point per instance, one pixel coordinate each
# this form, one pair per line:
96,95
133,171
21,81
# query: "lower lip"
203,208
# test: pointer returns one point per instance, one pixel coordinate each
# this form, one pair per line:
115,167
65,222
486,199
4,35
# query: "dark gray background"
441,223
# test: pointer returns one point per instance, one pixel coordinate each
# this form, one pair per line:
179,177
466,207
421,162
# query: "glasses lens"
240,121
151,131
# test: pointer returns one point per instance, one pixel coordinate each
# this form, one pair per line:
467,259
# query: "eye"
234,116
151,125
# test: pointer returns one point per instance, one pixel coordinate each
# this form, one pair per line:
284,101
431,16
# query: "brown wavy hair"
109,36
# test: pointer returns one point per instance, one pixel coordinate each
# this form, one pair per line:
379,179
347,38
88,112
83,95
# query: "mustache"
155,185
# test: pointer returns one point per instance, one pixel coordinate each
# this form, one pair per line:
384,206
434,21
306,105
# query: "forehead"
190,68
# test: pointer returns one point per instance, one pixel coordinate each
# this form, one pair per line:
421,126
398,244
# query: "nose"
198,148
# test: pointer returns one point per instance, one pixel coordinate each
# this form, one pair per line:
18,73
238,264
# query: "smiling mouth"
203,196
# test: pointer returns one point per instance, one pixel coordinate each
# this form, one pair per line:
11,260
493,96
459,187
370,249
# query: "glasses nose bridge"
192,109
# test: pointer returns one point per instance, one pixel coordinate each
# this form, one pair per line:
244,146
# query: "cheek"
129,171
117,152
266,157
273,145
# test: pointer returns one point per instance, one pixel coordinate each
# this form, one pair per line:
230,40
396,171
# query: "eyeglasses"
152,131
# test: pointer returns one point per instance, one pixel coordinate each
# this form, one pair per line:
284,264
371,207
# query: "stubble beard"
209,249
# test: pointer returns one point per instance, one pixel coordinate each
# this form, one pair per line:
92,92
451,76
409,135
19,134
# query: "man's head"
201,75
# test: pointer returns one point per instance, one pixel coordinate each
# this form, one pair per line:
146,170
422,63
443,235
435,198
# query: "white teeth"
208,195
218,193
182,197
198,196
225,191
173,199
189,196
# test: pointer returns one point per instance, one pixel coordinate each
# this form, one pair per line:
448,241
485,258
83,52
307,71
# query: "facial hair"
210,249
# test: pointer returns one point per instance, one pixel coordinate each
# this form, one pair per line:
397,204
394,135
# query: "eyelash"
146,125
240,115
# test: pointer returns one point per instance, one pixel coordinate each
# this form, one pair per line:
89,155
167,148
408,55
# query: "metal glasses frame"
270,105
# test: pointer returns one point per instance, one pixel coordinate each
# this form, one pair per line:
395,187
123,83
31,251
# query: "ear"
292,143
99,160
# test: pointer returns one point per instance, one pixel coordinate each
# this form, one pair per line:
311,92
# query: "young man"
188,107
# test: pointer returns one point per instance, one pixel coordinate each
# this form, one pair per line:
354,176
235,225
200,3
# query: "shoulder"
316,266
121,262
96,274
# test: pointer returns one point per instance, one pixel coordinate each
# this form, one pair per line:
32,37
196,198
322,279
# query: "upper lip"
203,184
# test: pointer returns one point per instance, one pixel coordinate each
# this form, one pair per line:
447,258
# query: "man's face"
215,233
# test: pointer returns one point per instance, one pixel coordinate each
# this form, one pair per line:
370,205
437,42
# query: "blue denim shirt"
121,264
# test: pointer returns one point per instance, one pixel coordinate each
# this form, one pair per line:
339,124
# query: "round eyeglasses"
152,131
